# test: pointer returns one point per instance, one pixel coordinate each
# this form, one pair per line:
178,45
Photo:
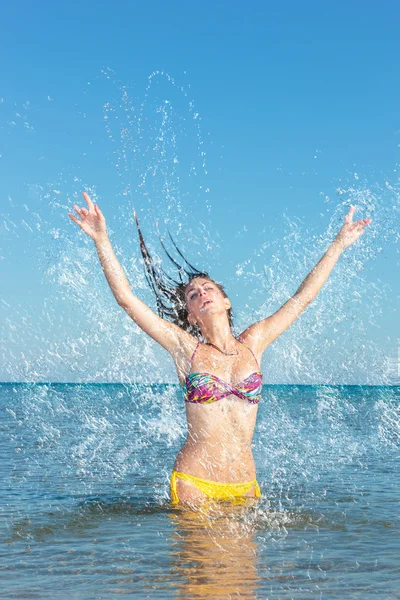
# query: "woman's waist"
219,431
216,461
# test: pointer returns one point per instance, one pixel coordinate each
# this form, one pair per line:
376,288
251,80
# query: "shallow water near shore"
85,508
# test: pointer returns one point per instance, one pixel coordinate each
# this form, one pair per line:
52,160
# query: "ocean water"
84,499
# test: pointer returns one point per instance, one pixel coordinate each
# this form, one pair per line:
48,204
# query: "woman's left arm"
261,334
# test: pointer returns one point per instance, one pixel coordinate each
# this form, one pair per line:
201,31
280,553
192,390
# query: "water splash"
331,326
156,159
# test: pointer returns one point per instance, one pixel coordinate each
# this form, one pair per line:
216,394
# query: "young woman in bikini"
220,373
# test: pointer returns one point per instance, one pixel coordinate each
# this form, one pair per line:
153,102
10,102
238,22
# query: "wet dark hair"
170,294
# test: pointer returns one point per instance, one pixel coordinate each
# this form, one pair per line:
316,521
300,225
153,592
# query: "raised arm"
170,336
261,334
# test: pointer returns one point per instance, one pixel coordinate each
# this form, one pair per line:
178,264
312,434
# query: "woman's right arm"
170,336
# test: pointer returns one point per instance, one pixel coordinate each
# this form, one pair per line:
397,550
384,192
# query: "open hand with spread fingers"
92,220
350,232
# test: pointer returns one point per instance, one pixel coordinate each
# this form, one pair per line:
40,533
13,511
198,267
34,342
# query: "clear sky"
247,129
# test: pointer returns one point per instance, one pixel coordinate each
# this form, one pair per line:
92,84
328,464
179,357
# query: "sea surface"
84,498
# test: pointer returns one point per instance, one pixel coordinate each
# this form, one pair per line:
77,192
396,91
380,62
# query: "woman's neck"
220,335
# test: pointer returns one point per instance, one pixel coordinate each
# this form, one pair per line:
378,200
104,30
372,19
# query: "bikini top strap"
195,350
250,351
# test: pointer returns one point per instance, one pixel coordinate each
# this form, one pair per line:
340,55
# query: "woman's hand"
92,221
350,231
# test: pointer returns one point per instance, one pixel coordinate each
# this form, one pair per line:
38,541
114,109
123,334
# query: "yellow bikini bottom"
213,489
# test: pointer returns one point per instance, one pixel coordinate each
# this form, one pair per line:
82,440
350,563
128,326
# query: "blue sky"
260,123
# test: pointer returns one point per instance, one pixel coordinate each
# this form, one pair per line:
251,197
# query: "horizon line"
397,384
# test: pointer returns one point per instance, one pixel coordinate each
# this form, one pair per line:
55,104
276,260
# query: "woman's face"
204,298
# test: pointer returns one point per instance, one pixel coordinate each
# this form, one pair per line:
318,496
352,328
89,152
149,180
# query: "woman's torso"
220,431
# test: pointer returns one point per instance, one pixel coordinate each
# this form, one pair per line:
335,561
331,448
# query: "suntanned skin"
218,444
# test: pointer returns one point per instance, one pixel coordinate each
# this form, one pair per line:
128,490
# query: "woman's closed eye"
194,294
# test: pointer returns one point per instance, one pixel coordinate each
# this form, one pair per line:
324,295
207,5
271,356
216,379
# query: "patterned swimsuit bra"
204,388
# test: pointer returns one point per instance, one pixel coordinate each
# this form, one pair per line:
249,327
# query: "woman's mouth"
205,304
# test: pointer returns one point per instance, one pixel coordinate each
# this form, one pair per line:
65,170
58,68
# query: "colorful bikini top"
204,388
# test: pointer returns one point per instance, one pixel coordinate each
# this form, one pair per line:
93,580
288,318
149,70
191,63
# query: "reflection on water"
214,552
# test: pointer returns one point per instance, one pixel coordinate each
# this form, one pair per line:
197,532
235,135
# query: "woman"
221,374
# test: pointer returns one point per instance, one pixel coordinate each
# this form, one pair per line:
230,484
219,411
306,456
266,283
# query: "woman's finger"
74,219
77,209
349,217
88,200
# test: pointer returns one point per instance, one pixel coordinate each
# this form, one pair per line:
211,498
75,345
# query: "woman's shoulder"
184,353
